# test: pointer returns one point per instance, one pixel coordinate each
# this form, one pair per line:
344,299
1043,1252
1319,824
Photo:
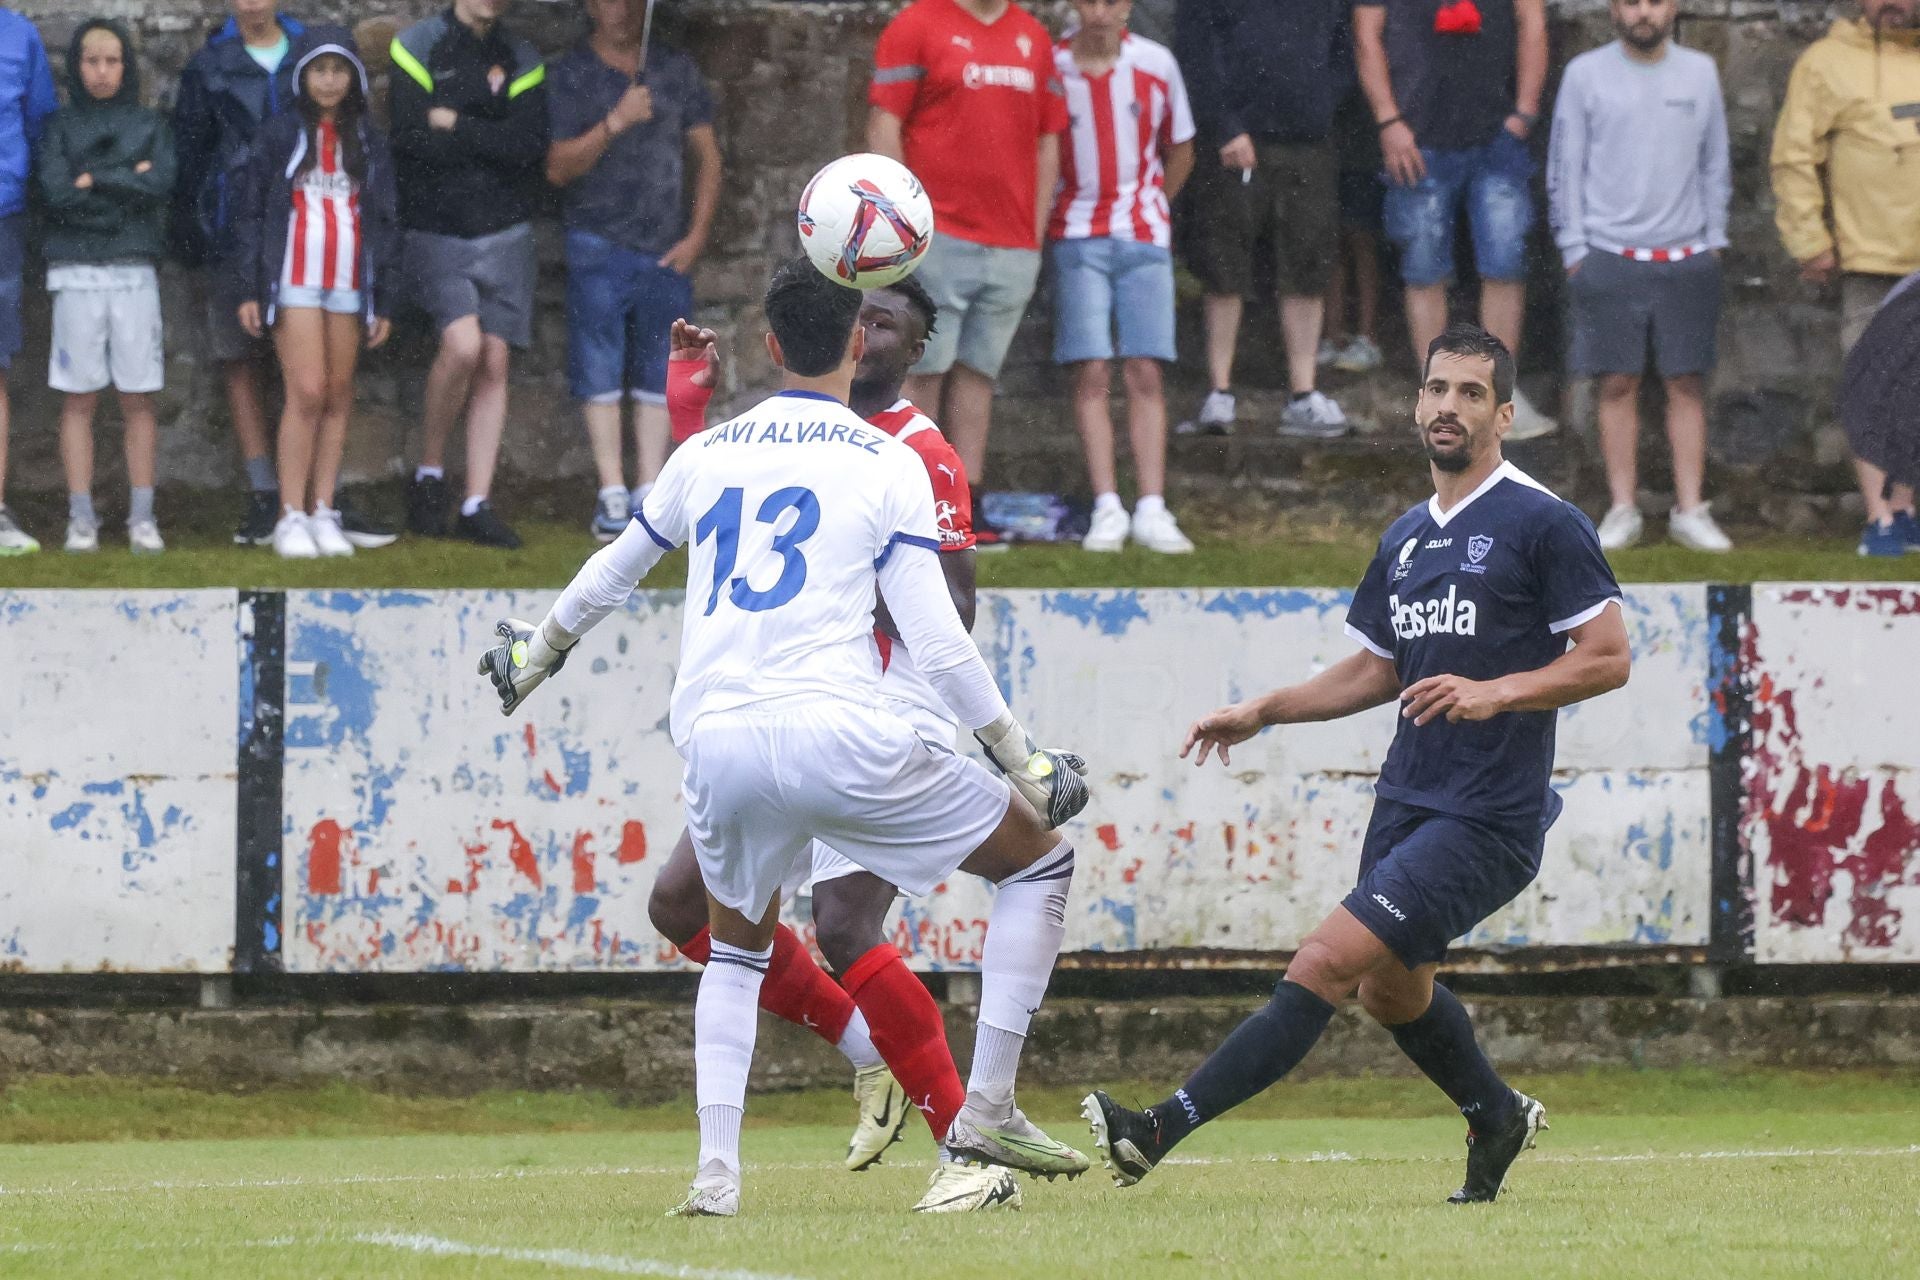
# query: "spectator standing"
106,173
318,241
469,112
1638,185
964,93
1264,90
1356,349
1844,142
1129,150
1455,90
238,80
621,138
26,100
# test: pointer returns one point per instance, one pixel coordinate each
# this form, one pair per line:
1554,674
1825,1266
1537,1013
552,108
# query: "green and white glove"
523,663
1054,782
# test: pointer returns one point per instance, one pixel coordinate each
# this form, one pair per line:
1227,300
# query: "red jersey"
975,99
952,498
1112,182
323,230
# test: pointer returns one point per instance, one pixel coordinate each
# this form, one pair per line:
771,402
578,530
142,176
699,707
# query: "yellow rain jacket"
1853,107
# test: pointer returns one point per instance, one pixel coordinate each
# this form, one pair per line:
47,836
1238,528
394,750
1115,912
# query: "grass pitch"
1644,1174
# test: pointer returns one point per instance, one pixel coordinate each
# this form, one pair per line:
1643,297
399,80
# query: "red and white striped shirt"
323,230
1112,182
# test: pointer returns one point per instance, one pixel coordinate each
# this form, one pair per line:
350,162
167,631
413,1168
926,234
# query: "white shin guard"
726,1017
1024,933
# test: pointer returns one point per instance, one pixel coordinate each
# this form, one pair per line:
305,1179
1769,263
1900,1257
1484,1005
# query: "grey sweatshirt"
1639,154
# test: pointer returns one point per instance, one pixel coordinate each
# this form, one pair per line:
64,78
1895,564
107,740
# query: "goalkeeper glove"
522,664
1054,782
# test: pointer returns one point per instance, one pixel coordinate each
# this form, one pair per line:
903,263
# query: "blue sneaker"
1884,539
1908,529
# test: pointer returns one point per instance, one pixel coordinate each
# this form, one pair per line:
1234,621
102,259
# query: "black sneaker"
1128,1141
1490,1155
256,527
363,532
487,529
427,506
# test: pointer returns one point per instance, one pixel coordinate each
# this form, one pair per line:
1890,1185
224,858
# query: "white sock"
1107,502
1024,932
612,490
639,494
429,473
1149,502
857,1043
473,503
726,1017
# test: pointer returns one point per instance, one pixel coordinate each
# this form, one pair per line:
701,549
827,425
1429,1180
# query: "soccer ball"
865,221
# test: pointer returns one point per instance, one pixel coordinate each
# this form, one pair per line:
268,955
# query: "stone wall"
790,82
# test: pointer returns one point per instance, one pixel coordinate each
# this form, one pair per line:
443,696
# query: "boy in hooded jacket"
106,172
316,236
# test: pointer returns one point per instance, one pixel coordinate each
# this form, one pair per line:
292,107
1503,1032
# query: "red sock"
795,988
908,1031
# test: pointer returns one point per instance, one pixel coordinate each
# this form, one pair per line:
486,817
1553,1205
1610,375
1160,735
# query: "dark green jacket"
123,216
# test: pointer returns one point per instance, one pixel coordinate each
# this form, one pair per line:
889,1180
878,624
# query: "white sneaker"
1696,531
1156,530
1620,528
883,1115
1108,532
1214,419
1528,422
82,536
1329,352
143,538
1315,416
958,1187
292,540
1362,355
323,526
15,541
715,1194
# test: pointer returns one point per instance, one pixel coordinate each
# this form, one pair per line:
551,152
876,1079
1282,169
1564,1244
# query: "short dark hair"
1465,338
812,317
919,301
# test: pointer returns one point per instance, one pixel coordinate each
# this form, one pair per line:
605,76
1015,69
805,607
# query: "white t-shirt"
789,512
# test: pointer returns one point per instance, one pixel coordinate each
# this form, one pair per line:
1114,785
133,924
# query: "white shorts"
103,336
762,783
936,731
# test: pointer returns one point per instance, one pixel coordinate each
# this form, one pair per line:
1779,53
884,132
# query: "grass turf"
554,551
1644,1174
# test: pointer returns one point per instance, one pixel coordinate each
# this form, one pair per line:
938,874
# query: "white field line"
615,1171
611,1264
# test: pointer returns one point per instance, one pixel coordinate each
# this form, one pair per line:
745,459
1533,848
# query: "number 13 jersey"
787,512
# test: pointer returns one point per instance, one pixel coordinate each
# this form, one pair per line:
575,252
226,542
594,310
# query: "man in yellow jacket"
1846,187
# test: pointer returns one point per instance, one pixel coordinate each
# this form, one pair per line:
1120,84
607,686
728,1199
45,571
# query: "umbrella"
1880,387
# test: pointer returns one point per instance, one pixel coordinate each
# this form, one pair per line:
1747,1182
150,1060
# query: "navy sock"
1440,1042
1259,1052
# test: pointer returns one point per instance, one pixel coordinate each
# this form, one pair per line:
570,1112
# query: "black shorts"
1427,878
1289,198
1623,312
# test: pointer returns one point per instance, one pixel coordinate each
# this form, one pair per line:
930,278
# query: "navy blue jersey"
1485,590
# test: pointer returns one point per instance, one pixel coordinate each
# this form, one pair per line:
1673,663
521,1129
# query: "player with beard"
1464,618
883,1018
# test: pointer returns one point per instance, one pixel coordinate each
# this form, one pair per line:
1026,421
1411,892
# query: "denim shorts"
982,291
1103,286
1494,182
339,302
621,305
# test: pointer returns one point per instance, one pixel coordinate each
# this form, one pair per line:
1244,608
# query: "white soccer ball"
865,221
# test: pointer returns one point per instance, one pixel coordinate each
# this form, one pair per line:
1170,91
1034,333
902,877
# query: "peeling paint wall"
117,770
1833,780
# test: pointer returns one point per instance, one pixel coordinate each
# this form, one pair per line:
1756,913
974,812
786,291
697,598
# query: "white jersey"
788,512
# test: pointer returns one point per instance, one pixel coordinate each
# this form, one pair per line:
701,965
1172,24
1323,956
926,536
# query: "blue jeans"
1494,182
620,308
1102,285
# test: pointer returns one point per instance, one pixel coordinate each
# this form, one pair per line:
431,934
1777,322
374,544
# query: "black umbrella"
1880,387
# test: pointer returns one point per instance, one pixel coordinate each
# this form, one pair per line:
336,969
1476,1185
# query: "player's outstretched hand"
688,341
1455,697
1218,730
1053,781
520,665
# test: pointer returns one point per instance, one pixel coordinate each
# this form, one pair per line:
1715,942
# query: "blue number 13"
722,524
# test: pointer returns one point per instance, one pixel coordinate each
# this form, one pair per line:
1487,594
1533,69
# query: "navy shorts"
1427,878
13,261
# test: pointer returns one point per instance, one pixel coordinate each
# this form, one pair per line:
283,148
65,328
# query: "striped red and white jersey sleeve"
1112,180
323,229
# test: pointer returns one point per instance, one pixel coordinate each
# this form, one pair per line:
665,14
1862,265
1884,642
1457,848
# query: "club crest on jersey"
496,79
1025,45
1405,564
1447,616
1477,548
